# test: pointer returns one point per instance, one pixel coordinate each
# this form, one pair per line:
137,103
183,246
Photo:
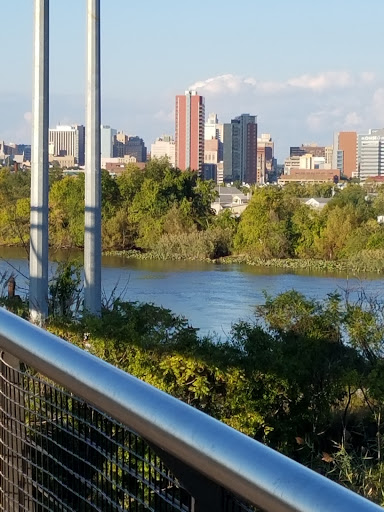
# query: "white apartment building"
298,162
213,129
220,173
307,161
292,162
329,156
68,141
164,147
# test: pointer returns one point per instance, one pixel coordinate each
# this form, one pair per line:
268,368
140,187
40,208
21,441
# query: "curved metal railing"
185,437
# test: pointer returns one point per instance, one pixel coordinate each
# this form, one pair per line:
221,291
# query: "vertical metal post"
92,238
38,259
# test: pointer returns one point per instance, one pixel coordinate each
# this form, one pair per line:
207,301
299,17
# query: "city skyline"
305,72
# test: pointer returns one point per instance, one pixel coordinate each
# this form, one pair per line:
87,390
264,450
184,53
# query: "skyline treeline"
168,212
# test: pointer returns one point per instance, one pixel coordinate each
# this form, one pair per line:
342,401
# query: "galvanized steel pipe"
246,467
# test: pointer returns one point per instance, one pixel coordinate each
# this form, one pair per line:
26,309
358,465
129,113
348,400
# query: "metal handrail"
238,463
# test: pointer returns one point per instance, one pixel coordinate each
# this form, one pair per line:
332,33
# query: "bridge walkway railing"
77,434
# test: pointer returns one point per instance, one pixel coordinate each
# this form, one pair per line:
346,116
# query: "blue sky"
305,68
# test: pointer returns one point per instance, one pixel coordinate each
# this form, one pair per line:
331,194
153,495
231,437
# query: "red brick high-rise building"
189,131
345,153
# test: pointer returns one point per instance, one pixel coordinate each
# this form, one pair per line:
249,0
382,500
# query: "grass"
374,265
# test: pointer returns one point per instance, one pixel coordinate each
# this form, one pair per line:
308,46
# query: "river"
211,296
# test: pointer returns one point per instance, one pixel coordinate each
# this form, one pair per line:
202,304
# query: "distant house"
230,198
317,202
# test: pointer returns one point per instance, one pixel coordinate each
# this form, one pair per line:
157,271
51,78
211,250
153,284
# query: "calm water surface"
211,296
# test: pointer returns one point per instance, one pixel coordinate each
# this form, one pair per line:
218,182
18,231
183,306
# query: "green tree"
66,202
306,225
354,196
110,194
129,182
117,231
337,229
265,226
162,199
300,341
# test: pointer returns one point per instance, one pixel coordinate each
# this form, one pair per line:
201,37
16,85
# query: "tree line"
168,213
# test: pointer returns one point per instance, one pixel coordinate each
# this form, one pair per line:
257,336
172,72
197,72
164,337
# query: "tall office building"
135,147
240,149
120,140
345,153
189,131
108,135
265,157
129,145
371,154
68,141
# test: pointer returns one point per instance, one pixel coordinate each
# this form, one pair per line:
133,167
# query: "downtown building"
135,146
164,147
371,154
9,153
240,150
308,149
213,129
345,153
266,162
68,141
189,131
108,136
129,145
213,149
212,159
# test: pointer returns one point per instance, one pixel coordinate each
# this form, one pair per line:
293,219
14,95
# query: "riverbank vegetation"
305,377
164,213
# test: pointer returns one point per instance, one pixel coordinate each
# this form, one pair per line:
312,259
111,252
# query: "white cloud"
320,82
229,83
323,81
221,84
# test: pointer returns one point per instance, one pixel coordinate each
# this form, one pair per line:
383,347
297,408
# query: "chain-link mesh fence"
58,453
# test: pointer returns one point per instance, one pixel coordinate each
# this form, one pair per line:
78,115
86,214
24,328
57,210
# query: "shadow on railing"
78,434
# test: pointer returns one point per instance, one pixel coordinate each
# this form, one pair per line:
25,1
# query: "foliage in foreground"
306,377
